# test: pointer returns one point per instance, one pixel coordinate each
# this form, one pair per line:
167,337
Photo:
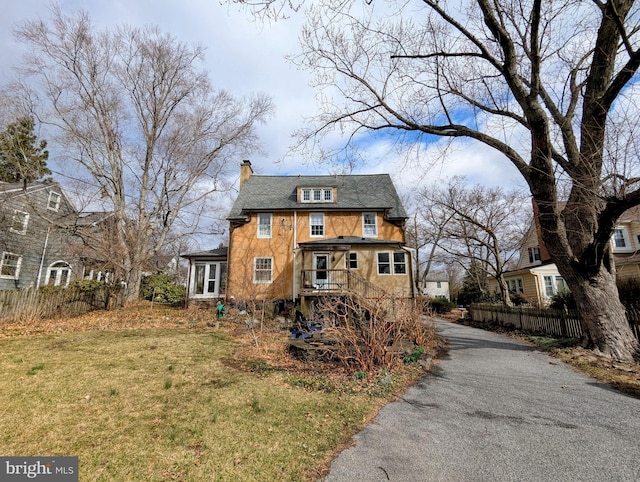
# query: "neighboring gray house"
38,245
207,279
436,285
33,249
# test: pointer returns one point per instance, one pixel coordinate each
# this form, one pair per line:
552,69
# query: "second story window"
316,223
534,255
19,222
369,225
54,201
620,239
264,225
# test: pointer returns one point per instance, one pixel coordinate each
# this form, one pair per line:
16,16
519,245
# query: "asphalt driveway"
495,409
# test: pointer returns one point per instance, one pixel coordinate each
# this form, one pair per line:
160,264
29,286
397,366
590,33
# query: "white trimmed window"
392,263
54,201
369,225
515,285
554,285
399,263
264,225
10,265
384,263
209,279
317,195
352,260
534,255
58,274
621,241
19,222
316,225
263,270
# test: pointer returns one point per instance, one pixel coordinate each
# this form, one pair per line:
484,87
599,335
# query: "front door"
320,273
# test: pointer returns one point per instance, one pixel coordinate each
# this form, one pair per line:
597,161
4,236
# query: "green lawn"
160,404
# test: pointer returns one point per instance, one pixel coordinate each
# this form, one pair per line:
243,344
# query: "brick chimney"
245,172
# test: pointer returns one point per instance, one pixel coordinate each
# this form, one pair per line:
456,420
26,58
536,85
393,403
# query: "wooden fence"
538,320
35,303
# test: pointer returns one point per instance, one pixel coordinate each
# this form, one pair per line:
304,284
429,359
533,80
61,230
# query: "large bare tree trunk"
603,317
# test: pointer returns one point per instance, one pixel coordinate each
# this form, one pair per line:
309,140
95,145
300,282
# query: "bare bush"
374,334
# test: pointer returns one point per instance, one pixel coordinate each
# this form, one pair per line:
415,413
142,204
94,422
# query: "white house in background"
436,285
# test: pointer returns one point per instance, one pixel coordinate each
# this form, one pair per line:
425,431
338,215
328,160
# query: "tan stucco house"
299,237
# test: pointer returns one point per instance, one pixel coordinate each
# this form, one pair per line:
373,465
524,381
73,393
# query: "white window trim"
57,204
255,262
58,270
627,240
18,265
217,266
390,262
321,191
311,225
554,282
22,231
532,259
348,260
393,263
265,236
375,225
518,283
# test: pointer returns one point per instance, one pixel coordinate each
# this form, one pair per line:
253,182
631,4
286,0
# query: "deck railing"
332,281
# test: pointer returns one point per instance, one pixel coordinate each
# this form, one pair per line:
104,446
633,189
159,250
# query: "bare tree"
483,225
136,114
424,231
546,84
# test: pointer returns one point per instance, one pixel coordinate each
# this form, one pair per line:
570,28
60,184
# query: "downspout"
44,252
186,298
294,288
412,255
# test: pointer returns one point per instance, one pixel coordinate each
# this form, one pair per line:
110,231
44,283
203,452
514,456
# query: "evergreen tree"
22,156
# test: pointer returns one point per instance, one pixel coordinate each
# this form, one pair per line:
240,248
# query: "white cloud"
245,57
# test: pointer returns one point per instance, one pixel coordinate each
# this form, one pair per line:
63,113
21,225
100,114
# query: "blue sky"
245,57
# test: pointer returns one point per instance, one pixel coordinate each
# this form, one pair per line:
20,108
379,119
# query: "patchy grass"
153,393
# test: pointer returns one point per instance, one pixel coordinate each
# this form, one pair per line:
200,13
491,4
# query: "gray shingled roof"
213,253
354,192
351,240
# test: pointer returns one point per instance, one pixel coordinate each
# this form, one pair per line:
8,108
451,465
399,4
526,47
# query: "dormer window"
316,195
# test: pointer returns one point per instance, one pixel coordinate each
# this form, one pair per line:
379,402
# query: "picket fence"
32,303
539,320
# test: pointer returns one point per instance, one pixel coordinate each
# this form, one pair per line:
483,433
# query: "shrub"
518,299
160,288
563,300
629,293
441,305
